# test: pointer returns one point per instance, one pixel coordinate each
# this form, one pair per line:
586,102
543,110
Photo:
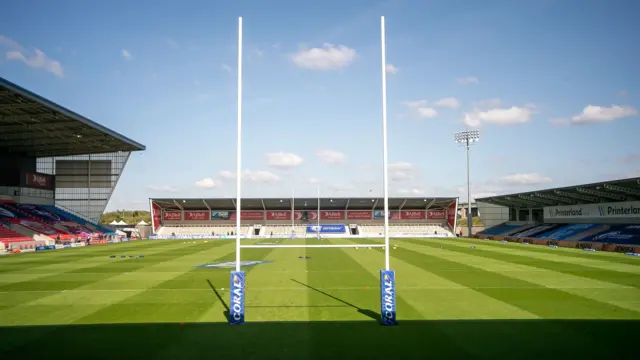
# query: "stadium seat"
499,229
8,236
628,234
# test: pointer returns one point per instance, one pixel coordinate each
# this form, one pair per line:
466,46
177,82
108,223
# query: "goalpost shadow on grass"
366,312
224,303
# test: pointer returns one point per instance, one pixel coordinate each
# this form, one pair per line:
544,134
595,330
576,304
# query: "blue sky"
551,85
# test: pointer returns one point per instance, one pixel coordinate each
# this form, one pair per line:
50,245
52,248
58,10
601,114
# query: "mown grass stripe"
435,297
616,277
607,293
204,306
269,293
81,253
597,257
536,299
100,264
56,282
49,262
362,305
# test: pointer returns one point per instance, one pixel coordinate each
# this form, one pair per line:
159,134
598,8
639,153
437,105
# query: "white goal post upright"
387,275
237,278
318,217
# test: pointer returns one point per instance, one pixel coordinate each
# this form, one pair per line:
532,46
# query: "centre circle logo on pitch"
232,264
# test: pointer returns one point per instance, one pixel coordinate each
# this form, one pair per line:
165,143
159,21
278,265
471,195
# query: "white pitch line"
314,246
304,288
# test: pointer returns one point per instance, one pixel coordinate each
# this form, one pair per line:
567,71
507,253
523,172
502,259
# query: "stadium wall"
493,214
84,183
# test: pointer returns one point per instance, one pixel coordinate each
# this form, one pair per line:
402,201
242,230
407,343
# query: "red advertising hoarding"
157,213
279,215
196,216
436,214
39,180
452,214
172,215
359,215
412,214
248,215
332,215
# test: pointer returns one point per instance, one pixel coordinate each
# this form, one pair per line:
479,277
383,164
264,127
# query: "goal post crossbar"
302,246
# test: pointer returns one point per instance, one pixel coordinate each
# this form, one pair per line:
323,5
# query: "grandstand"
286,217
58,170
599,216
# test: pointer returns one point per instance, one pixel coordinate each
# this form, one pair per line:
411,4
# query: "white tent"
113,223
121,223
142,223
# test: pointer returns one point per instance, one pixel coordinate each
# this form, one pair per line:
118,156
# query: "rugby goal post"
387,275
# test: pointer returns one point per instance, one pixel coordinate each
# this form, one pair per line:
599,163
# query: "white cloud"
524,179
126,54
414,103
331,156
427,113
418,107
163,188
598,114
314,180
227,68
36,59
5,41
260,176
402,171
468,80
283,160
392,69
499,116
449,102
328,57
207,183
226,174
412,191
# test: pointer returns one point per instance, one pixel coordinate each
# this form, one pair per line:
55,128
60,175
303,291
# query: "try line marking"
312,246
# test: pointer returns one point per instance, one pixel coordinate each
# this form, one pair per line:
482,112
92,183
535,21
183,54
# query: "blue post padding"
237,293
388,297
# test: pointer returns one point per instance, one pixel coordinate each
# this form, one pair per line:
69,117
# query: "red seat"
8,236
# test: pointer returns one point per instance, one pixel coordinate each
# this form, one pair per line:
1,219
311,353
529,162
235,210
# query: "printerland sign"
628,209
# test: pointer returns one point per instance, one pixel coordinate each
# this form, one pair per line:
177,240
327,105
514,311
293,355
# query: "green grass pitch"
492,301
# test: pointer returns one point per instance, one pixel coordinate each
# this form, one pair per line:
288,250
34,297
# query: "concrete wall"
465,230
493,214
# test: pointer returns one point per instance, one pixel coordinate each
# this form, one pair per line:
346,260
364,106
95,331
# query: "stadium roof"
606,191
34,126
415,203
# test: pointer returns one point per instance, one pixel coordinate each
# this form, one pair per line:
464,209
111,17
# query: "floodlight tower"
467,138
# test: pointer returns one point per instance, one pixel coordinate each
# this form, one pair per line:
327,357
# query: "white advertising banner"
620,210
